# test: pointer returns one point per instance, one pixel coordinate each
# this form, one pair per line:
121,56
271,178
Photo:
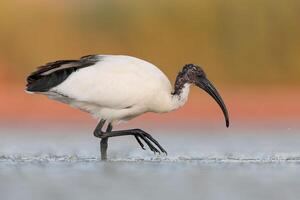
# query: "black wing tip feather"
37,82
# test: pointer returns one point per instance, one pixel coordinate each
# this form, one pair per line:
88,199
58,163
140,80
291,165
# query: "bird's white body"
119,88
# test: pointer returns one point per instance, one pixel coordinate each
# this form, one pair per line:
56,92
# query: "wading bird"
117,88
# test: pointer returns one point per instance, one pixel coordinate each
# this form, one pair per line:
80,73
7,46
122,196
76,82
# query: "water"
227,164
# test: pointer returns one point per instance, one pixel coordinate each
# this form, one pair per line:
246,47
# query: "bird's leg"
99,134
98,131
139,135
104,143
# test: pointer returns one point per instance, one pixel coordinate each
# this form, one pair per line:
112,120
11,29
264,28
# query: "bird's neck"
180,93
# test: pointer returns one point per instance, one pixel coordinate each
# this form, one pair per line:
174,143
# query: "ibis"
117,88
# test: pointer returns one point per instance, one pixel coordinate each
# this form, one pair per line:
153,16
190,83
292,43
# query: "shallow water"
230,164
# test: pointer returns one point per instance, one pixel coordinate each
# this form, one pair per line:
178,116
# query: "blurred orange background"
250,49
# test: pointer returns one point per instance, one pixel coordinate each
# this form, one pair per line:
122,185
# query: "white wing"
115,82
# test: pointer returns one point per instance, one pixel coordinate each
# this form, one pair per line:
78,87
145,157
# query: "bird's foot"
147,138
140,136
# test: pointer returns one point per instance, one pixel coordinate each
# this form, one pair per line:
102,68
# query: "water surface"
64,164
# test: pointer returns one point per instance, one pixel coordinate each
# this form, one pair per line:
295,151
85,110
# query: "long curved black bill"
207,86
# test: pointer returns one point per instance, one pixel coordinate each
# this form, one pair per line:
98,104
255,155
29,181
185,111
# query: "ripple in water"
230,158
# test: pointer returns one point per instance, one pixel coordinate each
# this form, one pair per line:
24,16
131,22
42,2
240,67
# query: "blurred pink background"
250,50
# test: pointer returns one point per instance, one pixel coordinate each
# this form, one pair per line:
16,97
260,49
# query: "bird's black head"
193,74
